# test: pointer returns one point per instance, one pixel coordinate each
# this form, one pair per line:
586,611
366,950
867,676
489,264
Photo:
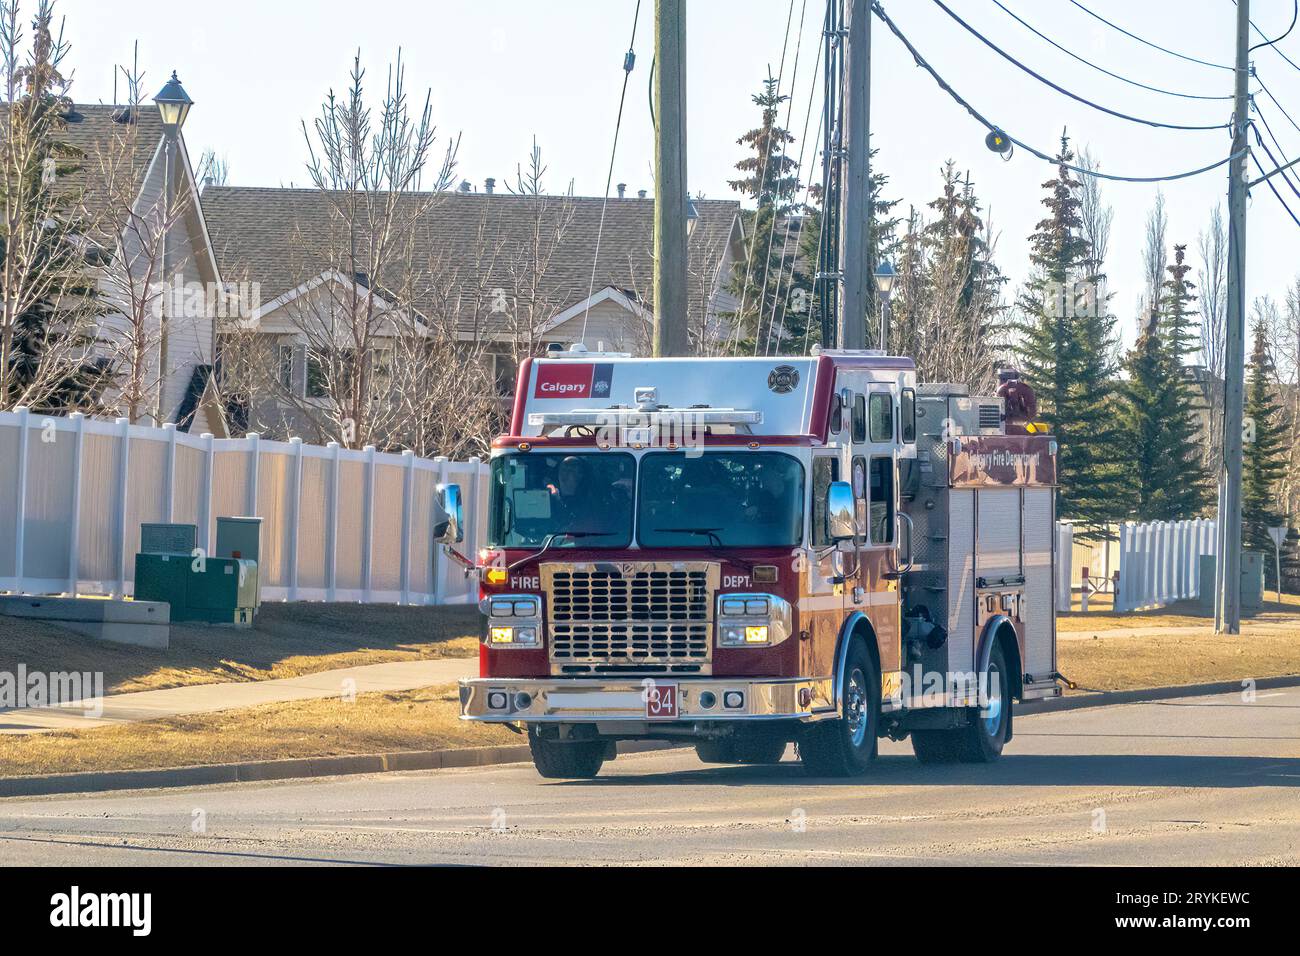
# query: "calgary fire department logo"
783,379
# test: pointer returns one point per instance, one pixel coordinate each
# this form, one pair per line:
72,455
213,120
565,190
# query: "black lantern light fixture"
173,104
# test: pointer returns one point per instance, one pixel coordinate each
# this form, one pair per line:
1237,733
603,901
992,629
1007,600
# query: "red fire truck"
742,553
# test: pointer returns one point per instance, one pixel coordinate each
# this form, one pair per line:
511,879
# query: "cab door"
876,443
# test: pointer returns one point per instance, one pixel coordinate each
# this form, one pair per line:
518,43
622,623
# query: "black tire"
566,760
759,748
744,748
935,746
846,745
716,751
982,739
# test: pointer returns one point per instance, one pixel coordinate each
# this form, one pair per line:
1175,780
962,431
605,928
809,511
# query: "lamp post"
173,107
885,286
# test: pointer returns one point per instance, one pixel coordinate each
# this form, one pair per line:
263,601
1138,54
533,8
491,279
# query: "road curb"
292,768
1109,698
295,768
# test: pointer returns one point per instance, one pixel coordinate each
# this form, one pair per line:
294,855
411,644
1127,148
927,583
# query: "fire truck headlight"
512,636
753,620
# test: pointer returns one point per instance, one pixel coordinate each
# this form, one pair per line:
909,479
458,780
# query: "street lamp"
173,105
884,285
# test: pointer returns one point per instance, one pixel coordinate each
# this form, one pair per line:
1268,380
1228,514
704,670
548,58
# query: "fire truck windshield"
540,496
720,499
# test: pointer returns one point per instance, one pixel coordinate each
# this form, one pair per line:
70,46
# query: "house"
503,275
147,240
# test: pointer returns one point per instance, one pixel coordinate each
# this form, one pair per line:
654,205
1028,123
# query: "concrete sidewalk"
206,698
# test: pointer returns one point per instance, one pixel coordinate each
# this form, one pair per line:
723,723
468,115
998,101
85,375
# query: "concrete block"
141,635
86,609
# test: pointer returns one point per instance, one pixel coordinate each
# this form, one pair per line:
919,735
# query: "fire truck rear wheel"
981,740
567,760
845,747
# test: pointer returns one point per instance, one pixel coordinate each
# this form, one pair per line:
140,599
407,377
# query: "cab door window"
880,417
859,417
907,412
826,469
881,500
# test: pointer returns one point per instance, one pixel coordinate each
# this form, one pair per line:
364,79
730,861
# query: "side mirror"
841,521
449,526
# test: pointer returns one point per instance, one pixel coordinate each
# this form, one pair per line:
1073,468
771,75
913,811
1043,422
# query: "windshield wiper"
550,540
712,533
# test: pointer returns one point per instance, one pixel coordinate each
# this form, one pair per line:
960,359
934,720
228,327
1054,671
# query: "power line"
1276,164
943,84
1295,7
1273,190
1086,62
1280,107
1275,49
629,61
1062,90
1154,46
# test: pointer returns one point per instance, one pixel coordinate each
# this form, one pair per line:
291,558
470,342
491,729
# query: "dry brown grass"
1111,661
287,640
424,719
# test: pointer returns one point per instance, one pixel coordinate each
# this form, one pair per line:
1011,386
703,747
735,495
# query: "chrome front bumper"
595,700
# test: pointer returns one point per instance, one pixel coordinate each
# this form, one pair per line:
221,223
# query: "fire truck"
742,553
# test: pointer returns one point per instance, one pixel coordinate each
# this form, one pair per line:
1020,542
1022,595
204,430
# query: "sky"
502,72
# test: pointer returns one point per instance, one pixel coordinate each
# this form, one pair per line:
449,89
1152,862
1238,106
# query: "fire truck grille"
630,618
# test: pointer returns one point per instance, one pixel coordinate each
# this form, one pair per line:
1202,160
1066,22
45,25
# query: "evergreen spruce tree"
1166,470
771,178
1263,464
1067,340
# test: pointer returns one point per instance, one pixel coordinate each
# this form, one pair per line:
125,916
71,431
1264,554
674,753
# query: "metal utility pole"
855,198
670,337
1227,603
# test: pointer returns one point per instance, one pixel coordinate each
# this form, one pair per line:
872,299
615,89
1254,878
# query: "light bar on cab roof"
633,416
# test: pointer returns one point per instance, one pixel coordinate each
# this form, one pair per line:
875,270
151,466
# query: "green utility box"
211,590
1252,582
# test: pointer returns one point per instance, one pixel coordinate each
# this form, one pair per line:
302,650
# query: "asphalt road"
1210,780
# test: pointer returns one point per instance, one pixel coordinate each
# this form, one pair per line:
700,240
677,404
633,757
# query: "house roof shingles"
472,243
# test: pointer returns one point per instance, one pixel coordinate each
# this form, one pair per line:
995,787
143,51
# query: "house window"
317,377
504,372
381,373
285,353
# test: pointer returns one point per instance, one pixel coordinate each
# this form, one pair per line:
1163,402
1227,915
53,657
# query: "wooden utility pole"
670,337
855,198
1227,602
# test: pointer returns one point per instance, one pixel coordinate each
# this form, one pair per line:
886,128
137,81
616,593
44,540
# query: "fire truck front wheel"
568,759
845,747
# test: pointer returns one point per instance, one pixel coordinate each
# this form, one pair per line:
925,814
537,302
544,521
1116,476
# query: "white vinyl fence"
337,525
1159,562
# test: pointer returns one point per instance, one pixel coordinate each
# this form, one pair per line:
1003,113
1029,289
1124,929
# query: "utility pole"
855,199
670,336
1227,603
